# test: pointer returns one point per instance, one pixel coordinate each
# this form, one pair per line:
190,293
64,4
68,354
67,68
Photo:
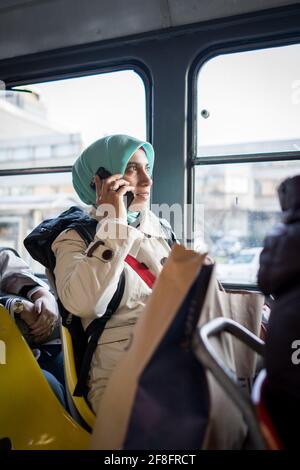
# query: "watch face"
18,306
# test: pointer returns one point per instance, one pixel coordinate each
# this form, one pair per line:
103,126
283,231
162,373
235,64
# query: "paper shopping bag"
157,397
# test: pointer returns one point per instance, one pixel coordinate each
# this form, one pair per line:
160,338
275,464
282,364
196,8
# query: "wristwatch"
18,307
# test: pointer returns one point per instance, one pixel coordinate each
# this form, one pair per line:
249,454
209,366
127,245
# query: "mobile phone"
103,174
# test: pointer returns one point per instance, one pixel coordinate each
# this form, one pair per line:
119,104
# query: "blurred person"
33,307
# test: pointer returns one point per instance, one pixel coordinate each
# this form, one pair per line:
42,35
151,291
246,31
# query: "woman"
86,279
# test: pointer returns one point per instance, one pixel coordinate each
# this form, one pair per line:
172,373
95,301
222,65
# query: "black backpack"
38,243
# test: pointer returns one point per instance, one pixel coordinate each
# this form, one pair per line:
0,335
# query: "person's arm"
28,313
86,279
16,276
40,311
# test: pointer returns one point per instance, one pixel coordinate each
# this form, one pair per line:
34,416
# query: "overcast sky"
97,105
250,96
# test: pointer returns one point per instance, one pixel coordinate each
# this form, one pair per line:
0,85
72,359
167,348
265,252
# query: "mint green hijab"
113,153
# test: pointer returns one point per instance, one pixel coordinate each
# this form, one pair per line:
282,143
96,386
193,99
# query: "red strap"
141,270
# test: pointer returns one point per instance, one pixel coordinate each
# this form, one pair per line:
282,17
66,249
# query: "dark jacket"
279,275
280,258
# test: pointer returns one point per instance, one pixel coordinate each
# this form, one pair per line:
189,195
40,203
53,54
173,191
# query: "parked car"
241,268
226,246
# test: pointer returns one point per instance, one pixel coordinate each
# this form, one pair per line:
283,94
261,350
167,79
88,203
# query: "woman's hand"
112,191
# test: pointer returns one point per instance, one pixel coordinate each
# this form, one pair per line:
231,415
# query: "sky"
250,96
97,105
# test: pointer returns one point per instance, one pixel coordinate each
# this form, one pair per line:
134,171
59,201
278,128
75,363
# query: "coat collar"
147,222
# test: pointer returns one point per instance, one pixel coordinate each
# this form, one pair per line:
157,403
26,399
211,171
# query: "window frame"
131,65
81,72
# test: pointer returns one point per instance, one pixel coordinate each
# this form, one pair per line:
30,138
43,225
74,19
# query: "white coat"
86,284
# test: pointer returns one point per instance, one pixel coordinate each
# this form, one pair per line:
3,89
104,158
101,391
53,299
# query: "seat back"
265,421
32,418
212,360
78,406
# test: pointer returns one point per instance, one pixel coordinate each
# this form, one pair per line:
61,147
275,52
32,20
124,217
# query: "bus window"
248,111
48,125
240,207
249,103
29,200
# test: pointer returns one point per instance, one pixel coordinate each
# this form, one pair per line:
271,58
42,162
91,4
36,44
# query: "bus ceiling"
44,29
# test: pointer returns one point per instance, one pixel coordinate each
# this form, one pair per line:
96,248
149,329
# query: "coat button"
93,247
163,260
107,255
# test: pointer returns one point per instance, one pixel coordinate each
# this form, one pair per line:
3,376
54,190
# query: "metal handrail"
225,377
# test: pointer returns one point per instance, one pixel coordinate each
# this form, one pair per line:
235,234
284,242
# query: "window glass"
235,206
48,124
249,102
26,200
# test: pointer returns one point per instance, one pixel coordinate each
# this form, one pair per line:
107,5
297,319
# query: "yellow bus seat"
31,417
79,407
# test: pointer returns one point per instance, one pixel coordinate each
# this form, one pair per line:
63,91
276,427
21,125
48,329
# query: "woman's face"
137,174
